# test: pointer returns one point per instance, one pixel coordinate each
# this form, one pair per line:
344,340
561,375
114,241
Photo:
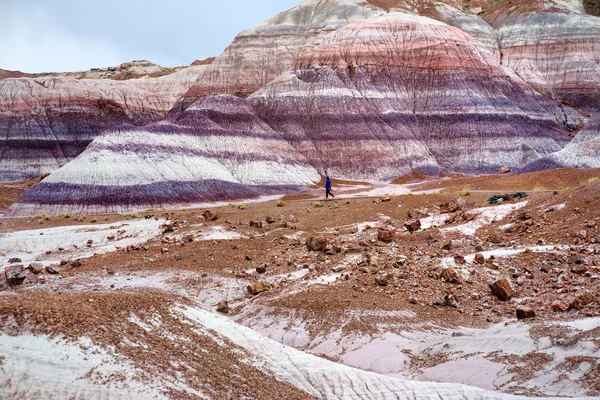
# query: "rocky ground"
423,282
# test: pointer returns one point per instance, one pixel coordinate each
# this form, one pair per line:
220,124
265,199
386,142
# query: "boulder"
502,289
382,280
524,312
317,243
223,307
209,215
188,238
581,300
36,268
479,258
257,288
459,259
386,235
413,225
450,300
15,274
53,269
450,275
257,224
261,269
560,306
505,170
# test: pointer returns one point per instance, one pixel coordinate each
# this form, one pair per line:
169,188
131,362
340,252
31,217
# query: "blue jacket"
328,183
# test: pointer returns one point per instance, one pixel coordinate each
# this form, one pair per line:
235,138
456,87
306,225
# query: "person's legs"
329,193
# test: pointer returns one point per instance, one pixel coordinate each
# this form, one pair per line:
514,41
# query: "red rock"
15,274
257,224
560,306
447,245
525,312
413,225
261,269
257,288
459,259
386,235
505,170
36,268
450,275
502,289
209,215
581,300
223,307
317,243
479,258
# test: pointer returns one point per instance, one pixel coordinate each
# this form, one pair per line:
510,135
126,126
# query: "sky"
76,35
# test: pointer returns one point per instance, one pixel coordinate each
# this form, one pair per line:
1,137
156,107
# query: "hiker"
328,188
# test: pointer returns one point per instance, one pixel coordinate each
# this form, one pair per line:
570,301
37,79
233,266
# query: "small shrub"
318,205
93,220
280,203
65,215
465,193
81,218
594,179
348,202
242,206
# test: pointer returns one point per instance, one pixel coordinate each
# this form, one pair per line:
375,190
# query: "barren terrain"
159,304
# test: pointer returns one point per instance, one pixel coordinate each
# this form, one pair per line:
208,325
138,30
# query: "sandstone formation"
215,150
553,45
582,152
403,93
46,122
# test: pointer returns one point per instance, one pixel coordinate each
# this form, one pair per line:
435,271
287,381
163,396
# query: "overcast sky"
76,35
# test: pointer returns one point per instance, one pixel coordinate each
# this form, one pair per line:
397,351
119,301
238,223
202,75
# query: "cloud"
74,35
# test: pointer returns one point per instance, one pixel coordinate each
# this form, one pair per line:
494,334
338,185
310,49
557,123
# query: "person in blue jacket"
328,188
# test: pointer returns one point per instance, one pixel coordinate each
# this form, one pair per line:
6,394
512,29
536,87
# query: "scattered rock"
560,306
386,234
450,300
578,259
15,275
447,245
257,224
209,215
504,170
382,280
317,243
413,225
168,228
111,270
188,238
502,289
459,259
479,258
270,220
36,268
413,300
581,300
450,275
524,312
256,288
261,269
14,260
223,307
53,269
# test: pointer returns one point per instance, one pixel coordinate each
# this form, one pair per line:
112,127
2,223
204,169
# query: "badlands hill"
362,90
